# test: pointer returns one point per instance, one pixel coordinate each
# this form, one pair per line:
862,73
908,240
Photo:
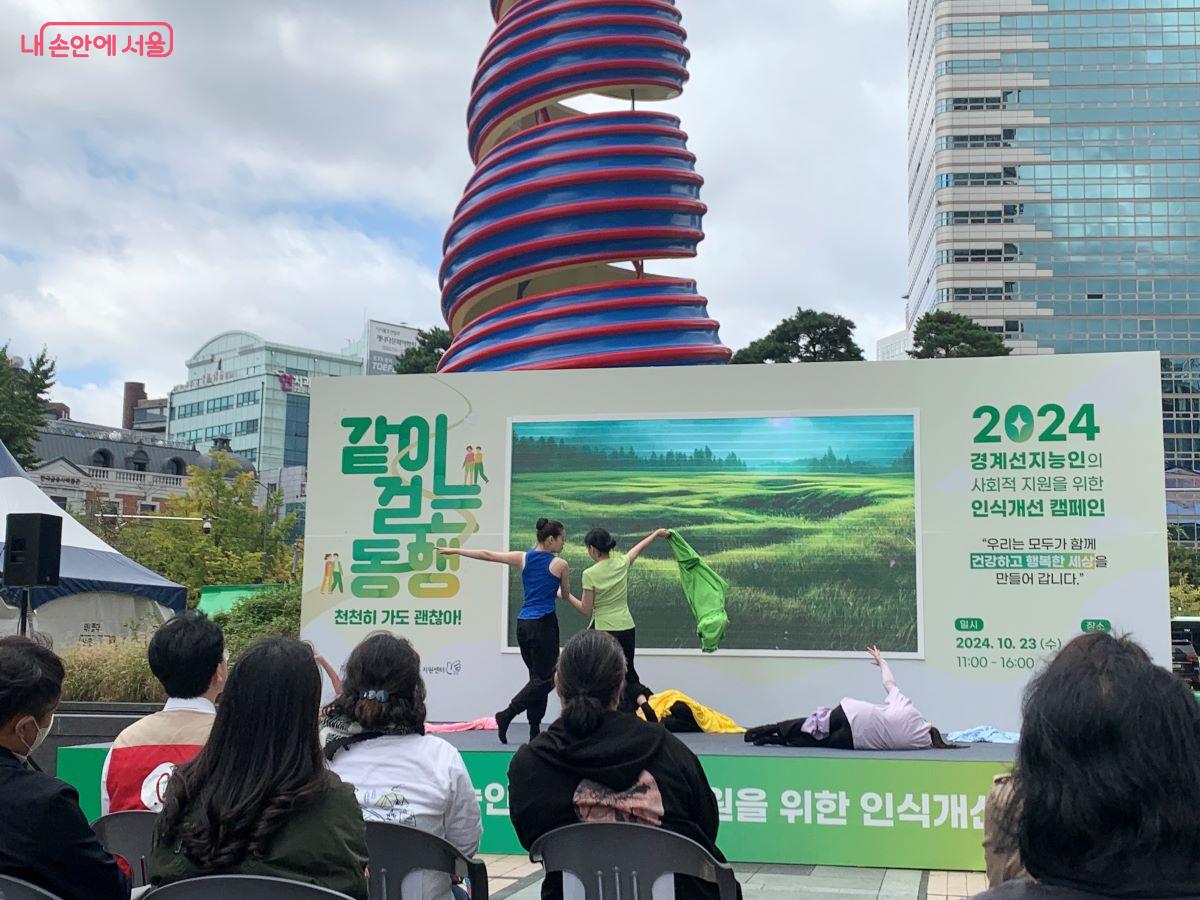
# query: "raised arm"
645,542
508,557
889,680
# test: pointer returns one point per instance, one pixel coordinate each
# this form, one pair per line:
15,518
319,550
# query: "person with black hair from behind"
595,764
45,838
1106,786
544,575
258,799
606,595
374,738
187,656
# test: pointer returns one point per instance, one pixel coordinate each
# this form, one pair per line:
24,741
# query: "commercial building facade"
256,393
1054,181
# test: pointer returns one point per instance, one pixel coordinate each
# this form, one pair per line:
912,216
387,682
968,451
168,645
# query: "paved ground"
516,878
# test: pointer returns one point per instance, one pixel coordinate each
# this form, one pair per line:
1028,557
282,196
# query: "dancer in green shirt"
606,593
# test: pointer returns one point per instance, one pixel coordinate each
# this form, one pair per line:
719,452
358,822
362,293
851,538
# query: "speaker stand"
23,617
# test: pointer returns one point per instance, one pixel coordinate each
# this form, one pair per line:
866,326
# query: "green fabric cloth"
609,580
705,592
323,844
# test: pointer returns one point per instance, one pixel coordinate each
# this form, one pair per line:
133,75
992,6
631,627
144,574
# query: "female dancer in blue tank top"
544,575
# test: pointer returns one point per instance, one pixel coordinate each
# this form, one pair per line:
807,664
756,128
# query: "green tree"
23,402
423,358
273,612
246,545
1185,598
1183,563
804,336
942,334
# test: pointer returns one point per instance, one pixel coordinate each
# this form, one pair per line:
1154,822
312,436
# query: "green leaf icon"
1018,424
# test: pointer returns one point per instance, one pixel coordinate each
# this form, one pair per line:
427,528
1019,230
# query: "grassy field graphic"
811,521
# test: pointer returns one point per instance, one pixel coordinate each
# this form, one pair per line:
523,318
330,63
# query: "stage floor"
734,745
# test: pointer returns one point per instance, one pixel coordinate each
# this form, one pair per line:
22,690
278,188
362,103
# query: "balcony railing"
143,479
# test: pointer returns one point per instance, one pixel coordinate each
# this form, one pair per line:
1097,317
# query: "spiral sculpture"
529,277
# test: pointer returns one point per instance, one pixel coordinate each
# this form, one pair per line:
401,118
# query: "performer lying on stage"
679,713
857,724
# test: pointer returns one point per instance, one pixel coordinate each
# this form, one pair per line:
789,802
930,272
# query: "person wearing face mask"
45,838
187,655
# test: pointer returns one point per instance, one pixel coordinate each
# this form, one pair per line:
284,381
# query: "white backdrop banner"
966,516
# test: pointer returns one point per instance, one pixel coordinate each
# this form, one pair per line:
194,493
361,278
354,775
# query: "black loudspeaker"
32,550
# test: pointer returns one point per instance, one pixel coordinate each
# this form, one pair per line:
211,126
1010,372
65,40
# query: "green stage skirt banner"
966,516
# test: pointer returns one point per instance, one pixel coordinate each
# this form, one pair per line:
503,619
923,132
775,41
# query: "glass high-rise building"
1054,180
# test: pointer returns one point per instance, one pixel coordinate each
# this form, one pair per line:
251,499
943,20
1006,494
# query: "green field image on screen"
811,520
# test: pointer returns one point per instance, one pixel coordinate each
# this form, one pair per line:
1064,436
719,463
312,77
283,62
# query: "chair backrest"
16,889
616,860
395,850
129,834
242,887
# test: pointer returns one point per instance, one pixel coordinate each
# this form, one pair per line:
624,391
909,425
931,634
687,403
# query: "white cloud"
291,168
92,402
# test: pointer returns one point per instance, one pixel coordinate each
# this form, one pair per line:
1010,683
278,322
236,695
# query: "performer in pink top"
857,724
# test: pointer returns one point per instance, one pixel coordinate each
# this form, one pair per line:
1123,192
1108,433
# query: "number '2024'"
1019,423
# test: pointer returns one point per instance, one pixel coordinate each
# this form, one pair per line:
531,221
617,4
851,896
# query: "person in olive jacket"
596,764
258,799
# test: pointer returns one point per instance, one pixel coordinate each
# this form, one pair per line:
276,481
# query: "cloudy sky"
291,168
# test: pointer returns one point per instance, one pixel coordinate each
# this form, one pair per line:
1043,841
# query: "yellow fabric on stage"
711,721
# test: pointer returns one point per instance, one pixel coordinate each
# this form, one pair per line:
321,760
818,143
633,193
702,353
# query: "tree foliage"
942,334
1185,598
804,336
423,358
23,402
273,612
246,545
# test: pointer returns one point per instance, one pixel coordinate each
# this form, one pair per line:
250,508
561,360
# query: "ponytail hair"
600,540
591,673
548,528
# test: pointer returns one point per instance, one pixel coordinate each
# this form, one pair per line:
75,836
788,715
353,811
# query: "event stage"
733,745
920,810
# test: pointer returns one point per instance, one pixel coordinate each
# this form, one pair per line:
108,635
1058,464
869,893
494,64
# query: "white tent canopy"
100,591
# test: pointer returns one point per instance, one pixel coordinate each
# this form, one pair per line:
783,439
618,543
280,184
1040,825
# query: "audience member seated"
257,799
1107,780
1001,855
596,764
374,738
44,837
187,655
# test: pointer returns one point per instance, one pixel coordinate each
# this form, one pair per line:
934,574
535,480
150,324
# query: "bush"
273,612
110,672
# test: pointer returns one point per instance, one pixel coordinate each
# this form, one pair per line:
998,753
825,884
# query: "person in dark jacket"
595,764
258,799
45,838
1107,780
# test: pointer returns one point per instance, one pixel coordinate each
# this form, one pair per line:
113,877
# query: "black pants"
633,684
789,734
538,640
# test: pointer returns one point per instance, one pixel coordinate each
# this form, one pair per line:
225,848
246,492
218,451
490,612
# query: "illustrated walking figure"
479,474
336,583
469,466
327,574
544,574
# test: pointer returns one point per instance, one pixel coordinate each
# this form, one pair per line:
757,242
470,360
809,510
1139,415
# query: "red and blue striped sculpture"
531,277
